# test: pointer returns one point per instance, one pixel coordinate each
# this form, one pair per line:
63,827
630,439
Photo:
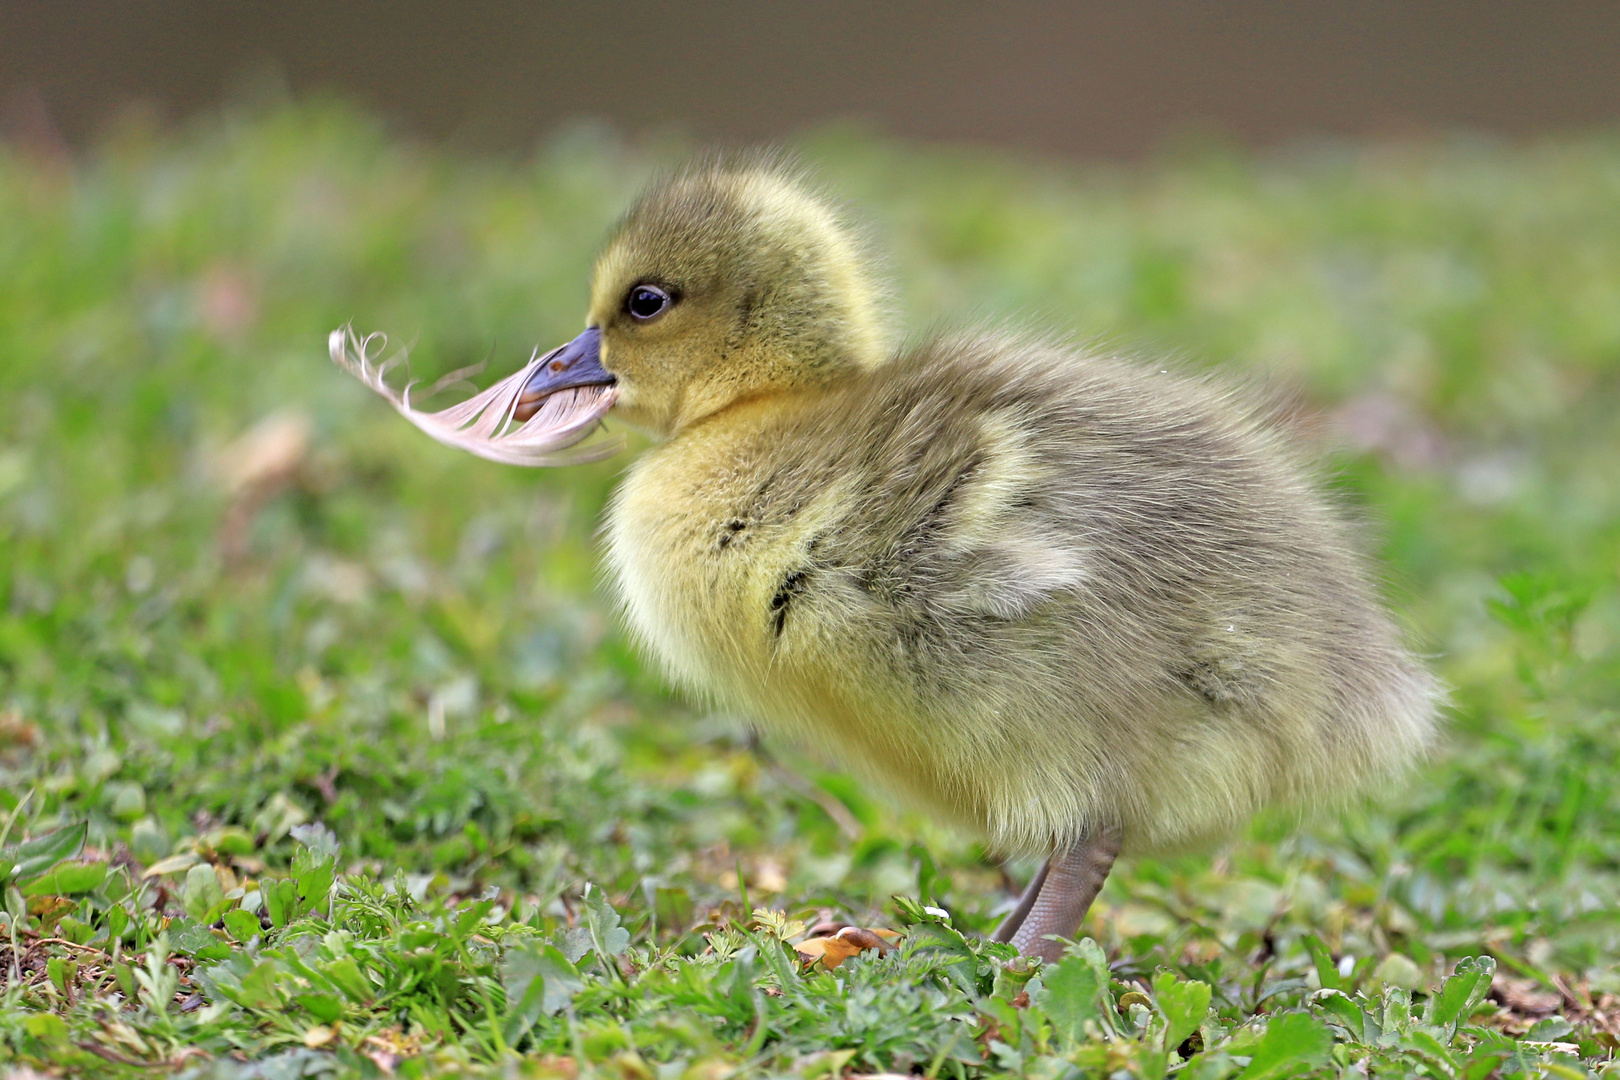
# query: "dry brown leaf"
1524,996
1133,997
50,908
388,1047
833,949
254,468
15,731
172,865
552,1067
631,1066
1386,424
769,877
385,1060
267,455
830,951
185,1054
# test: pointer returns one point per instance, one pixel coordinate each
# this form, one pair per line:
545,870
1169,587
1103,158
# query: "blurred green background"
238,594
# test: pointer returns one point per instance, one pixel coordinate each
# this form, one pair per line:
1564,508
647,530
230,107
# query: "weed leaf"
242,925
607,936
539,981
66,880
1071,993
1462,990
1184,1005
1293,1043
35,856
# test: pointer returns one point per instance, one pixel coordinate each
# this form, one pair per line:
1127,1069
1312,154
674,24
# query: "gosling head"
723,282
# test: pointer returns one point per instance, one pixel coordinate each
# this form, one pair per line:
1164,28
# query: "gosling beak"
578,363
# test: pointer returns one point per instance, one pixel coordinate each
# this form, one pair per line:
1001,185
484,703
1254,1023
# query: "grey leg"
1067,884
1009,926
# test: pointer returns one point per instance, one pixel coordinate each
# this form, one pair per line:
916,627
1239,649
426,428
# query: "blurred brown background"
1073,79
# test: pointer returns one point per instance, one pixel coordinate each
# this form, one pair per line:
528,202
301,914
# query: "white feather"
484,424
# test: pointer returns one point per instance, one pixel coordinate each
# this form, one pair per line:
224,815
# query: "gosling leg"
1009,926
1067,885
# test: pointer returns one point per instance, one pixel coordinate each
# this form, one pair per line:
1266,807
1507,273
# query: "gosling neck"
729,386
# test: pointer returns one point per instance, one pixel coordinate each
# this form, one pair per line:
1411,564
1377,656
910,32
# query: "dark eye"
647,302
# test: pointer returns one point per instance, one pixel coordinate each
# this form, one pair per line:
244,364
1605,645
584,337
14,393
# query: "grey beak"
578,363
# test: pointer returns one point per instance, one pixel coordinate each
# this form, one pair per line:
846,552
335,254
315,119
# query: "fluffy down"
1036,591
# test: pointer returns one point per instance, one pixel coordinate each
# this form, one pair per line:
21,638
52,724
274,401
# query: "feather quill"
484,424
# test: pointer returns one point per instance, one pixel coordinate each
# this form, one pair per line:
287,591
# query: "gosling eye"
646,302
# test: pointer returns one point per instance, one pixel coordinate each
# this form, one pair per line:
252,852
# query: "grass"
323,753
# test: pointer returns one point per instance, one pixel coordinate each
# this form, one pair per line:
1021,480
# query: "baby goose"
1078,606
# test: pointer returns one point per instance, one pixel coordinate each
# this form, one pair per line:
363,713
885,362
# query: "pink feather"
484,424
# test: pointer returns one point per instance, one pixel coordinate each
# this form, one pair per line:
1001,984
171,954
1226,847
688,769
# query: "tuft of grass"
321,753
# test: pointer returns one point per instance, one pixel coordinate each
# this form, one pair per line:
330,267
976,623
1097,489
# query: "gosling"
1080,606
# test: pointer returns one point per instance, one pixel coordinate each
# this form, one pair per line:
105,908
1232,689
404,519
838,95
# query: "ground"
324,751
